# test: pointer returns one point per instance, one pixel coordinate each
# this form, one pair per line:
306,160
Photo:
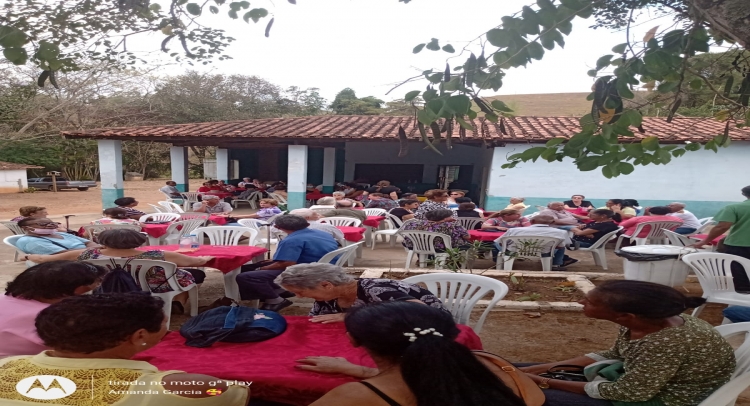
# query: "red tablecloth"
154,230
316,196
699,237
270,365
373,221
226,257
220,220
353,234
489,236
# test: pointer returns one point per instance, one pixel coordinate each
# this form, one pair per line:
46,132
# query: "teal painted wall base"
296,200
110,195
699,208
327,189
182,187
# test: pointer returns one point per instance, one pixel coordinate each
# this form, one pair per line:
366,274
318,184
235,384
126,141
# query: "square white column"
493,200
110,170
178,157
296,187
329,169
222,164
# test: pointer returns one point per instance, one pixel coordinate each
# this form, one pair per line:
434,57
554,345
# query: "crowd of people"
54,318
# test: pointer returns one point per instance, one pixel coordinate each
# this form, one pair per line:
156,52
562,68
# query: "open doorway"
455,177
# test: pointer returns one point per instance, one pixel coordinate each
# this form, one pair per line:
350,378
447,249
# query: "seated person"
115,215
336,292
468,210
541,226
516,203
31,211
406,208
460,200
505,219
622,212
439,221
338,195
634,204
206,188
171,190
412,368
249,190
586,235
33,290
245,182
213,205
280,189
690,223
578,202
42,238
302,245
667,356
312,217
658,213
357,193
409,196
381,201
92,340
735,314
214,185
563,219
225,187
328,202
454,194
391,192
436,199
344,208
128,203
268,209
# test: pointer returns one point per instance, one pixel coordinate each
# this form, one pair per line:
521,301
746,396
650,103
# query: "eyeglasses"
47,224
455,194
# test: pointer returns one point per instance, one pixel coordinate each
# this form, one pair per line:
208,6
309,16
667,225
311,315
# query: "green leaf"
664,156
535,50
244,4
491,117
624,90
607,172
625,168
593,73
449,48
604,61
549,154
471,114
693,146
16,55
502,59
464,124
193,8
501,106
233,14
459,104
12,37
555,141
678,153
417,49
634,117
255,14
545,4
411,95
532,154
565,27
587,123
579,141
696,84
650,143
499,37
588,163
435,105
433,45
666,87
426,117
620,49
213,9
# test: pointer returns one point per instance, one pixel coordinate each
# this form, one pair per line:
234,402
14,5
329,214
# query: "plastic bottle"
186,243
194,244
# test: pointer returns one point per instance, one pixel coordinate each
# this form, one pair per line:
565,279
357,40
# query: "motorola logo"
45,387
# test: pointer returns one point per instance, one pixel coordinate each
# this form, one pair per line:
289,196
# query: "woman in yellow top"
93,338
516,203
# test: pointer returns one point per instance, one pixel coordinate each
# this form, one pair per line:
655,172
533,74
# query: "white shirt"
688,219
221,207
321,206
539,230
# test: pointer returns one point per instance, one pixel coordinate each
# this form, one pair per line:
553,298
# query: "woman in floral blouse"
436,200
438,221
505,219
668,358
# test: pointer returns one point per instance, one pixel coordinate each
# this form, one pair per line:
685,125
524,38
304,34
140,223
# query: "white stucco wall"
9,180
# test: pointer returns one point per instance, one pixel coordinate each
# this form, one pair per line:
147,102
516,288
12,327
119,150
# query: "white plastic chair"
13,227
171,207
389,229
375,212
167,197
343,255
529,247
423,244
188,198
655,232
460,293
706,220
159,217
342,221
139,268
728,393
252,200
469,222
195,216
706,223
265,238
741,353
11,242
598,251
678,239
93,230
180,229
715,276
226,235
281,200
159,209
532,215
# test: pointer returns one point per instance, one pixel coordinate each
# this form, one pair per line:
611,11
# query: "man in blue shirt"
42,238
301,246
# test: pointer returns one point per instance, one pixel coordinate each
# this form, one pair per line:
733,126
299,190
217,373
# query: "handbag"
526,389
232,324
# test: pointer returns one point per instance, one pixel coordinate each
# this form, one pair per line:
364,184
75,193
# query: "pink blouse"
17,331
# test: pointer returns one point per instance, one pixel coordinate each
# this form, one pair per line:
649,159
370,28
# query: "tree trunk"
730,17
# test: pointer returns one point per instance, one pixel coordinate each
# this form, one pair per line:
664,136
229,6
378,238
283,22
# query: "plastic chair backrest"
655,228
530,246
159,209
395,221
375,212
469,222
93,230
13,227
139,268
677,239
705,225
190,196
423,242
254,224
194,216
604,240
183,228
741,353
343,255
729,392
460,293
159,217
342,221
532,215
172,207
226,235
278,198
714,270
706,220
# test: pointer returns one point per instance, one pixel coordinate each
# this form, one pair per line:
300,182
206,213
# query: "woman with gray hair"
327,202
335,291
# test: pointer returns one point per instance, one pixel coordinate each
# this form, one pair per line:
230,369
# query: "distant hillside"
547,105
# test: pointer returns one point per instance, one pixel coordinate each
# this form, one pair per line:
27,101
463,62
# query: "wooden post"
54,182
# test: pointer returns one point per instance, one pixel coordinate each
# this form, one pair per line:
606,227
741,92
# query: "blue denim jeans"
737,314
685,230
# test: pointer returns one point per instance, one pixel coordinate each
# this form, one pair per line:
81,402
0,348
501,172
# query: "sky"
367,45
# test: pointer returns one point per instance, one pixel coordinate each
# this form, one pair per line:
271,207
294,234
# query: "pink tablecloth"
316,196
699,237
373,221
487,236
154,230
220,220
270,365
353,234
226,257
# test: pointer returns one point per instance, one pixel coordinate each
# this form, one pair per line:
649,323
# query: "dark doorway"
396,173
456,177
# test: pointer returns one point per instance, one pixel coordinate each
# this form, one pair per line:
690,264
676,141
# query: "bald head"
676,206
556,206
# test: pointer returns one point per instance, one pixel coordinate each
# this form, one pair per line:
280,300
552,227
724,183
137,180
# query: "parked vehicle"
62,183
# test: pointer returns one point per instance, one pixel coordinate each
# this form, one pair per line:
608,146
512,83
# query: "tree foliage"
348,104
